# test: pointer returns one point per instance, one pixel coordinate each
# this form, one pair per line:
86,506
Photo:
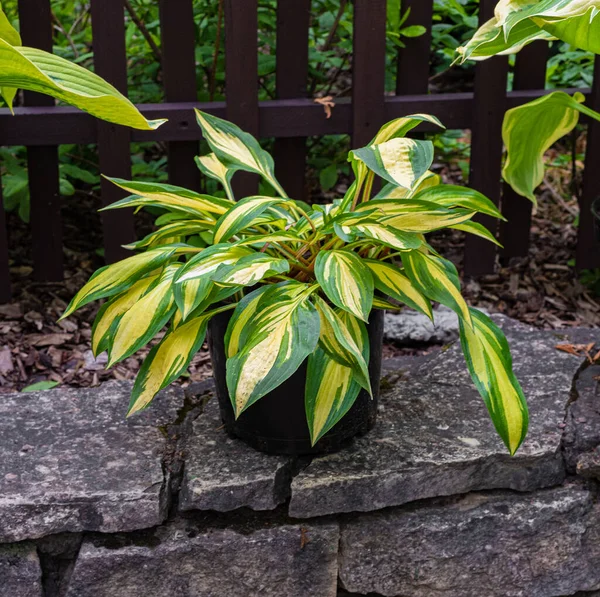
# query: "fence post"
413,60
179,76
530,73
368,70
293,18
486,148
588,248
110,61
241,74
35,18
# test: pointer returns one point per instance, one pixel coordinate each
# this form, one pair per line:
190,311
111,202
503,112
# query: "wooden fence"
290,118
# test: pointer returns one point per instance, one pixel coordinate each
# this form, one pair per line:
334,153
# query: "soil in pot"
276,423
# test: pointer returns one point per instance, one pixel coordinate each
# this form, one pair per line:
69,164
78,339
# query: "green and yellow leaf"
144,319
250,270
391,281
169,359
176,230
283,332
437,279
478,230
116,278
7,32
448,195
36,70
112,311
428,221
386,235
236,148
152,194
211,166
490,364
346,281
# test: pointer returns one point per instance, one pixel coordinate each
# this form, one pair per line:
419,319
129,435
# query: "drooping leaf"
391,281
530,130
177,229
113,310
386,235
331,388
437,279
153,194
448,195
400,161
284,330
346,280
478,230
169,359
338,341
490,364
428,221
242,215
36,70
115,278
236,148
211,166
581,31
144,319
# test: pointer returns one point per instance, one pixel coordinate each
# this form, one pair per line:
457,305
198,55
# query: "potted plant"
294,294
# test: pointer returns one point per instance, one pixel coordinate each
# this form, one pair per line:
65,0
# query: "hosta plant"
299,281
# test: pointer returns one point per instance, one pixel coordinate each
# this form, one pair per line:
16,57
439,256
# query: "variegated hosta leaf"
36,70
400,127
386,235
239,324
284,330
338,341
194,280
399,161
428,221
478,230
211,166
385,305
250,270
259,240
7,32
437,279
448,195
237,149
331,388
391,191
115,278
582,31
489,361
346,280
177,229
144,319
392,282
242,215
169,359
112,311
530,130
146,194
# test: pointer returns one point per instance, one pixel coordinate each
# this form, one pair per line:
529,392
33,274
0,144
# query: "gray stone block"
434,436
20,572
289,561
224,474
501,545
71,461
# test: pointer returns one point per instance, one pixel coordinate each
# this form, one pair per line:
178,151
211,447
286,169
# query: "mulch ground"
543,290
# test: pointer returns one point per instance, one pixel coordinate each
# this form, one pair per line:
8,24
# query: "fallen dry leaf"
6,362
49,339
327,103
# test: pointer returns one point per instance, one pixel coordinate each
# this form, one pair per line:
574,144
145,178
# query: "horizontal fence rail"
290,118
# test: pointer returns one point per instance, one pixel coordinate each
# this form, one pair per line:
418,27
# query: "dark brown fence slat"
530,73
368,70
42,162
486,148
588,248
179,76
110,61
413,60
241,74
5,292
293,18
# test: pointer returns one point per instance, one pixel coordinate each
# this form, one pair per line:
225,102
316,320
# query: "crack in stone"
57,555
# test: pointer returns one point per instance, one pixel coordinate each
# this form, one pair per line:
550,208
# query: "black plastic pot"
276,423
596,214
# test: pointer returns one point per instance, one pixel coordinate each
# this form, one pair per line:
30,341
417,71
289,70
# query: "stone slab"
71,461
20,571
290,561
499,545
434,436
411,327
224,474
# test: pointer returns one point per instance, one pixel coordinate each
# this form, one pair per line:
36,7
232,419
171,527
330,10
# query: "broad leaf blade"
346,280
36,70
211,166
448,195
490,364
250,270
